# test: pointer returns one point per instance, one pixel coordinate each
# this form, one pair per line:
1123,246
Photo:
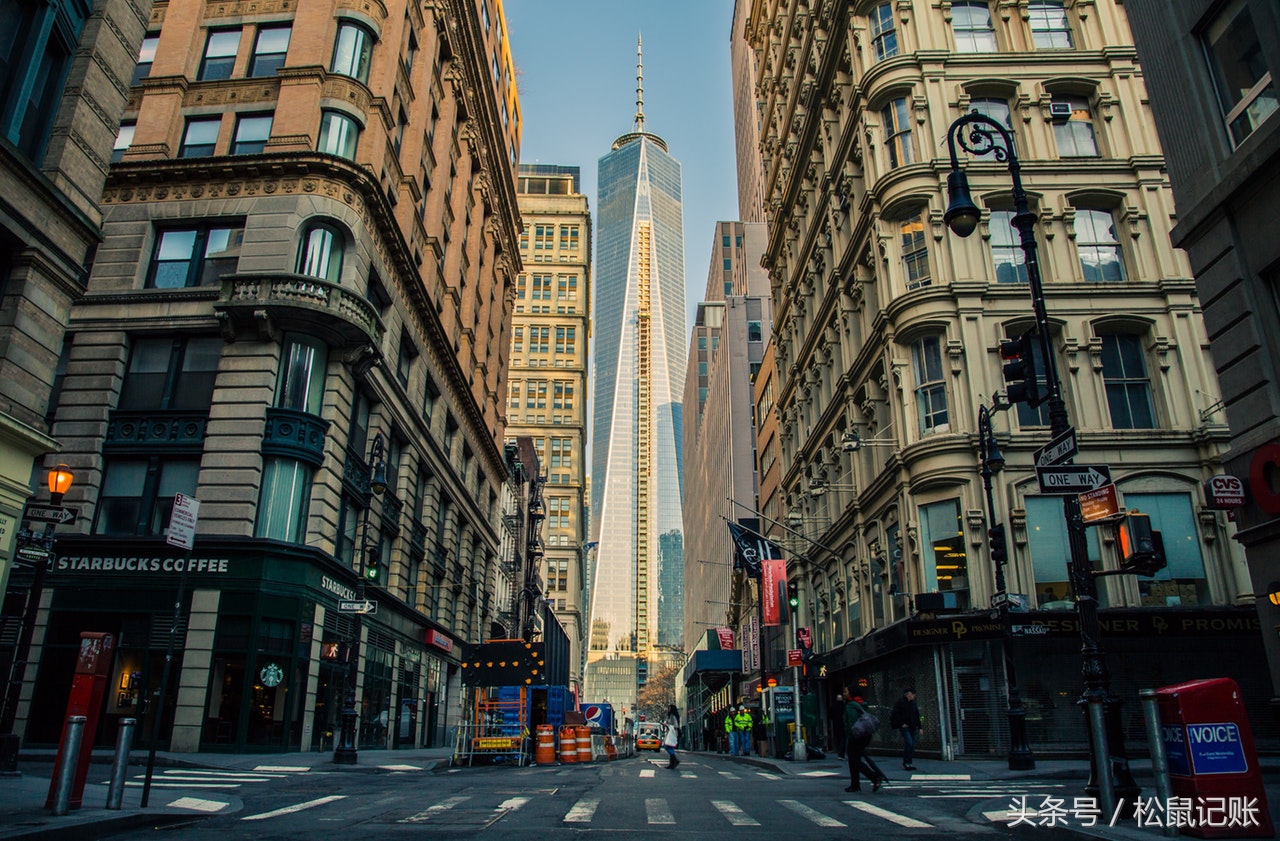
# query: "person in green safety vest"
742,724
729,733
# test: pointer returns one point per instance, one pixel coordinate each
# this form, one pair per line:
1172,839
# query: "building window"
199,137
1049,27
883,35
1241,76
1029,416
404,361
755,331
915,251
124,139
971,25
352,51
931,390
338,134
1047,543
1098,245
302,374
1182,583
196,256
1075,135
1006,249
252,132
998,110
321,250
269,50
37,41
146,56
897,132
1124,372
285,498
137,494
166,373
945,558
568,237
219,59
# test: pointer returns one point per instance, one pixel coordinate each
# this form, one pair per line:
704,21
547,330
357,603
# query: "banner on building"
725,635
751,549
774,572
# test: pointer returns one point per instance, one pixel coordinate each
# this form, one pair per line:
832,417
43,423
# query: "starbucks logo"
271,675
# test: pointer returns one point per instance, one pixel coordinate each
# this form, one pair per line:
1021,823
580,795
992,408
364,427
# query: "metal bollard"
67,770
1102,757
1159,761
120,765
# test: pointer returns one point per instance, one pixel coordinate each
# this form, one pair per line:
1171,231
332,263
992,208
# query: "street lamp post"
979,134
1020,755
345,752
41,543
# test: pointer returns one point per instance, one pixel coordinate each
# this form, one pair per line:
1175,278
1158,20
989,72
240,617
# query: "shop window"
199,255
284,501
321,250
1183,582
219,58
338,135
945,559
931,389
884,37
1124,372
252,133
146,57
199,137
167,373
300,385
137,494
1050,29
352,51
1047,543
1241,76
971,25
269,50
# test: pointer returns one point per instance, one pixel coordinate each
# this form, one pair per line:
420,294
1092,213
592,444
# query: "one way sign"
1066,479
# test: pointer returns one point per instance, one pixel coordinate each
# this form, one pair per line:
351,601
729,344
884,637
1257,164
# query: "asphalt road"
708,798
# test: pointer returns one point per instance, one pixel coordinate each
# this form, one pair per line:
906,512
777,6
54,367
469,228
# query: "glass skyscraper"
637,601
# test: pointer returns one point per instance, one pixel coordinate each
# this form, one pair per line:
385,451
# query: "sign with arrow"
367,607
1058,450
50,514
1067,479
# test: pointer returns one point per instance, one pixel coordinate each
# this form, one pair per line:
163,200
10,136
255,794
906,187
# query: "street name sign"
367,607
1059,449
182,522
1098,505
1065,479
50,514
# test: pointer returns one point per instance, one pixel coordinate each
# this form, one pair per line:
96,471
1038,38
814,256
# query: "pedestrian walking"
671,737
835,718
742,724
859,725
906,719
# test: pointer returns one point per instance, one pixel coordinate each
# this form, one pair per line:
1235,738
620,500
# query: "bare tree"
658,694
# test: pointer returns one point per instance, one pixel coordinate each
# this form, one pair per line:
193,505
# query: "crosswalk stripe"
400,767
285,768
583,811
964,777
733,814
767,775
442,806
198,804
196,772
811,814
900,820
647,772
137,784
729,775
296,807
658,810
689,775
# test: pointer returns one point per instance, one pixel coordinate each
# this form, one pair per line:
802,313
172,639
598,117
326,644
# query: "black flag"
752,548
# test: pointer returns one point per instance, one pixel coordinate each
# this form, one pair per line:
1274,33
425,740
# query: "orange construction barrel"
544,751
568,744
584,744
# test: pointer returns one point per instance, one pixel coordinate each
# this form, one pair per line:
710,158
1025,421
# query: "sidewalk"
22,798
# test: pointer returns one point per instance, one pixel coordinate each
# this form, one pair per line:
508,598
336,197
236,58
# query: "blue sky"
575,69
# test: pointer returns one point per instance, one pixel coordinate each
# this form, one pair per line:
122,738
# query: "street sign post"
33,555
1058,450
367,607
1099,505
1072,479
182,522
56,514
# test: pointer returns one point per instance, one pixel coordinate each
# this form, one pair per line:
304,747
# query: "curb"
77,831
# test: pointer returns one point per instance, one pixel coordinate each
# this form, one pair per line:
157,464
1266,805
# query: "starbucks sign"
271,675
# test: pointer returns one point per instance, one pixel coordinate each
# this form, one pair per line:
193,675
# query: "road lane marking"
285,768
583,811
199,805
647,772
442,806
733,814
729,775
195,772
894,817
964,777
134,784
658,810
811,814
400,767
767,775
296,807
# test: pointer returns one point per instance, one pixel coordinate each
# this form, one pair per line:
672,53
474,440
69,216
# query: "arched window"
883,34
320,252
338,134
352,51
1098,245
897,132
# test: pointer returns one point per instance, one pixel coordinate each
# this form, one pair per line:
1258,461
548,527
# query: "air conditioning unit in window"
1060,111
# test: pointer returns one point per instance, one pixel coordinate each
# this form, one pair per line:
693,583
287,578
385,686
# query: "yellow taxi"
649,736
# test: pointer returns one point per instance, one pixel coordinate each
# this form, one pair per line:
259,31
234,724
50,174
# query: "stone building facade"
887,331
310,244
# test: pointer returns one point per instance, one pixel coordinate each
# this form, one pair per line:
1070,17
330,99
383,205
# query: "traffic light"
1141,549
999,549
793,594
372,565
1021,382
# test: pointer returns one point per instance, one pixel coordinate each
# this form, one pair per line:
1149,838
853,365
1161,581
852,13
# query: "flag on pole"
752,549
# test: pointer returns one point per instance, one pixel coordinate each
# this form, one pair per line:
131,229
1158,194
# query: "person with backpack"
906,719
859,726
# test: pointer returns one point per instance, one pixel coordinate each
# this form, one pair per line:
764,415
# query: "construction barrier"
610,750
544,752
568,744
584,743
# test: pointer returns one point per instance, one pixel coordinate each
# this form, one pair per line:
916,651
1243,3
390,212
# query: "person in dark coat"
856,744
836,718
905,718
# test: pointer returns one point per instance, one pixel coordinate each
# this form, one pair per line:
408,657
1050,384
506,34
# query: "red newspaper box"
1213,765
